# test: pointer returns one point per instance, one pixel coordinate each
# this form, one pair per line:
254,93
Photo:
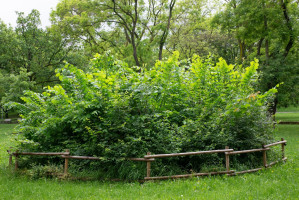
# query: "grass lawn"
289,109
278,182
290,114
5,140
287,116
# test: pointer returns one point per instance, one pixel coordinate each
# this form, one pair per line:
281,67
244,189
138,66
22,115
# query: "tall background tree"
29,57
135,30
267,30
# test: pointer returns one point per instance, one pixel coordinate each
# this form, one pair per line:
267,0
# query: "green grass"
288,109
287,116
6,131
278,182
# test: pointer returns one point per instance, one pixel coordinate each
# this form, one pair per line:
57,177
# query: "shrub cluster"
114,112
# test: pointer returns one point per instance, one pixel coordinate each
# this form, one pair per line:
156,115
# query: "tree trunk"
5,113
131,31
273,107
133,35
135,52
267,39
259,46
242,49
166,31
266,34
290,28
267,50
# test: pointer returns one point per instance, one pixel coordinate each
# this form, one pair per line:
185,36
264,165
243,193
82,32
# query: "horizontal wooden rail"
249,171
66,155
276,143
141,159
257,169
97,158
187,153
247,151
275,162
81,157
188,175
42,154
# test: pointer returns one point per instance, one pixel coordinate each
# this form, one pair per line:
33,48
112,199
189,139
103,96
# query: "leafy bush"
114,112
48,171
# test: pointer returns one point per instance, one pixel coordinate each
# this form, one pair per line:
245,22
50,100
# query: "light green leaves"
111,111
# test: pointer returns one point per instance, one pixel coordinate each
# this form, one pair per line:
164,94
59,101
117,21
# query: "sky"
8,10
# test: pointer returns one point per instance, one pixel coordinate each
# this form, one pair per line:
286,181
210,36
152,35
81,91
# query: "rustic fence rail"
149,158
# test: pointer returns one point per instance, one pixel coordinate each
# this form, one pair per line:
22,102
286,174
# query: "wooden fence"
149,158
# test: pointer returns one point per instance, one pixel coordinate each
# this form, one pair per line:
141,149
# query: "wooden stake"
16,160
10,161
282,148
227,160
148,166
66,163
10,158
264,157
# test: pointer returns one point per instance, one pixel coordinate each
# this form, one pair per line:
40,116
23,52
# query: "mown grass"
287,116
6,131
278,182
288,109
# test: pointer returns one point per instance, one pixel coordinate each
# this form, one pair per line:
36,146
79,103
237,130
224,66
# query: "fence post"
282,148
148,166
10,158
16,160
66,163
264,157
10,161
227,159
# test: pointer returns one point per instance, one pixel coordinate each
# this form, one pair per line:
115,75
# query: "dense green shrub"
114,112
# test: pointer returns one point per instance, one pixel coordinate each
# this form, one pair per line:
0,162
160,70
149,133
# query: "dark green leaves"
114,112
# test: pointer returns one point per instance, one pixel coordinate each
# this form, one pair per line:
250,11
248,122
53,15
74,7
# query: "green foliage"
135,31
12,87
48,171
30,47
279,182
114,112
267,31
29,56
7,36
